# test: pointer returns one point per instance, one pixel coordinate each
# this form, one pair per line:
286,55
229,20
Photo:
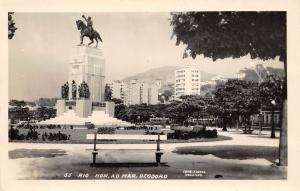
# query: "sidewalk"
51,161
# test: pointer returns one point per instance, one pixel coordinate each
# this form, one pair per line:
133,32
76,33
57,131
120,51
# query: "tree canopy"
219,35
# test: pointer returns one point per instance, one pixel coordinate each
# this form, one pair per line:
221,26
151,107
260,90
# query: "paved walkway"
53,160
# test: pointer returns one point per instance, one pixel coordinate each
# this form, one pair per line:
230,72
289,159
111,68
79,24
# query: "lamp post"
260,122
273,103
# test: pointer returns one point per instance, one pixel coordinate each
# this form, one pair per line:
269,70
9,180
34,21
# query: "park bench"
156,138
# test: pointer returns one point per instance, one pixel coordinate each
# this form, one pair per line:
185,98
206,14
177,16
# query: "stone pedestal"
110,108
60,107
83,107
88,64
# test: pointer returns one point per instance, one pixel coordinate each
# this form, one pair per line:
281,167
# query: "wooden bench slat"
122,149
125,137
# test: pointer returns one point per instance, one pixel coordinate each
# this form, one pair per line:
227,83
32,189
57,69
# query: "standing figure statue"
63,96
80,92
66,90
74,89
83,90
87,31
84,85
87,94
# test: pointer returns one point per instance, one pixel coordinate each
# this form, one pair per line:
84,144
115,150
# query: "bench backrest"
125,137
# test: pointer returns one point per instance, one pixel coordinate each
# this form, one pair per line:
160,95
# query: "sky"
132,43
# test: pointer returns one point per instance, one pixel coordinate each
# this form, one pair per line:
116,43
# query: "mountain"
251,75
166,74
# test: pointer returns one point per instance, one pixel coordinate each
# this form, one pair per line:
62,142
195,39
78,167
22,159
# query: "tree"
17,103
220,35
172,112
44,113
237,98
271,95
167,94
117,101
11,26
120,112
18,113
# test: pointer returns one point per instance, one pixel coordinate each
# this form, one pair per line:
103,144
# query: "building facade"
158,83
187,81
153,94
135,92
118,89
265,118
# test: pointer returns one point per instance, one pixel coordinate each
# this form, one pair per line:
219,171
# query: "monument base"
110,108
83,107
60,107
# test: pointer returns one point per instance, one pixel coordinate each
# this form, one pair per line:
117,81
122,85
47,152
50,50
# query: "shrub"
105,130
32,135
13,134
193,135
55,136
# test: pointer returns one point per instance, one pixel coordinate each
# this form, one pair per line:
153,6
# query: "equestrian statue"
87,30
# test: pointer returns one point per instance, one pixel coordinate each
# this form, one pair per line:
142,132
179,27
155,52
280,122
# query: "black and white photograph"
138,95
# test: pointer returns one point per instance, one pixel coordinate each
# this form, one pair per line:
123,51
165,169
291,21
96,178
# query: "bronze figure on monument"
74,89
65,91
86,30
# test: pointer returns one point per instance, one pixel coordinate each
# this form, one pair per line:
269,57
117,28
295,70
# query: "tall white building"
153,94
133,93
144,93
118,89
187,81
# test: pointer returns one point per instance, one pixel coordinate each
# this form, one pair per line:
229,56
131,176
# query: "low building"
266,117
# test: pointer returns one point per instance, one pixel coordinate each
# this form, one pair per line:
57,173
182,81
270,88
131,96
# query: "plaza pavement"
238,138
65,157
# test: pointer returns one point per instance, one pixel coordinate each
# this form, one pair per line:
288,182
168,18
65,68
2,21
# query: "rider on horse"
87,31
89,24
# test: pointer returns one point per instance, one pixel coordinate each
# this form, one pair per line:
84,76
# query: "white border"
291,6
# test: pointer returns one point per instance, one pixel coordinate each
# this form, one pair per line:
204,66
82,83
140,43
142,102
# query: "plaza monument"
84,90
82,96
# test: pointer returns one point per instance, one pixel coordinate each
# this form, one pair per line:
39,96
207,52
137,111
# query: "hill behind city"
166,74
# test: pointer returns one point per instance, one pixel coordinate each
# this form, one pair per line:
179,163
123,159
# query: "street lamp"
260,121
273,103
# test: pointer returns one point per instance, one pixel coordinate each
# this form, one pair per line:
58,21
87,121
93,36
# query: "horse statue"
84,32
